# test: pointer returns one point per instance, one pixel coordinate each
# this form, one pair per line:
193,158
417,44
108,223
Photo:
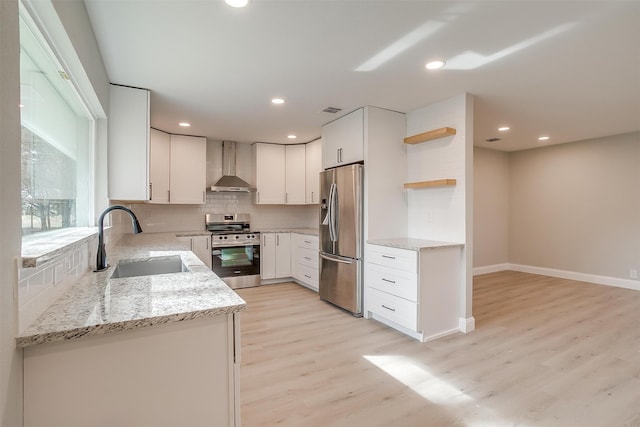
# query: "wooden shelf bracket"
429,184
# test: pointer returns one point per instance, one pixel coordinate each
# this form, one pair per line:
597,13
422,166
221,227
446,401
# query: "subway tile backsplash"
41,286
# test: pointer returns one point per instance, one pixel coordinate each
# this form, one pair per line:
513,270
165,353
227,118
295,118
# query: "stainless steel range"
235,249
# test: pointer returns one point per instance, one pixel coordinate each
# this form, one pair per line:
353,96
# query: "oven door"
236,261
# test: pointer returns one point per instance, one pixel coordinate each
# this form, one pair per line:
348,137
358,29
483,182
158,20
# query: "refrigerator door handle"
333,196
337,258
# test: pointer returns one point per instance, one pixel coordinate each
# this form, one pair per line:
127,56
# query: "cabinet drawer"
308,275
400,259
308,242
396,309
396,282
308,257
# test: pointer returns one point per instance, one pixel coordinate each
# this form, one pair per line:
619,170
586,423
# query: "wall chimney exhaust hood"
230,183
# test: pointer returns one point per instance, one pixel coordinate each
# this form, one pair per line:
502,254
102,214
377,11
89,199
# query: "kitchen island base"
176,374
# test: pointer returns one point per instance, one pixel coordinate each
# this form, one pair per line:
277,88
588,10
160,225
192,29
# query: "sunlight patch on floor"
419,380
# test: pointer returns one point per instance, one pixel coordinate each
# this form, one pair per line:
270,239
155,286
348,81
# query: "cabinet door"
313,167
270,174
295,174
188,169
201,246
128,143
268,256
159,166
343,140
283,255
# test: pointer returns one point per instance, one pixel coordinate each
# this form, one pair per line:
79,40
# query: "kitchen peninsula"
153,350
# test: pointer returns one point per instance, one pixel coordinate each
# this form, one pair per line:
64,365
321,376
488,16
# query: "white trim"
485,269
563,274
467,325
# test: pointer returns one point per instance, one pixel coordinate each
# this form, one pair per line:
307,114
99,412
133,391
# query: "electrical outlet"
633,273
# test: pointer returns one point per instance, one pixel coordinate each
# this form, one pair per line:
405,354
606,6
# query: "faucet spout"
101,257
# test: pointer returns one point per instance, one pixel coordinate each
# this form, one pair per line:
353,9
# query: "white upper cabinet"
295,174
343,140
313,167
128,143
159,166
270,173
188,170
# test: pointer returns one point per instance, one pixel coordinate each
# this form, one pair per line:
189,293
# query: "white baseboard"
490,269
563,274
467,325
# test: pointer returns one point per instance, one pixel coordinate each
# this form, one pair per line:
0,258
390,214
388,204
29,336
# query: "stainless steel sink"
148,267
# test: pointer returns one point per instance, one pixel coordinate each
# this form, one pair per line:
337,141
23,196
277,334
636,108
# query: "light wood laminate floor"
545,352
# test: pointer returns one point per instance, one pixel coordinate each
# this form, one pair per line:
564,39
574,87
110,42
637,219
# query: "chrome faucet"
101,258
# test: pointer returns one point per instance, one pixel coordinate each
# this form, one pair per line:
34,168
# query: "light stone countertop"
412,244
97,305
306,231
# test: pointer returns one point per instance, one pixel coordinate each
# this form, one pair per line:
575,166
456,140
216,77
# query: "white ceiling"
568,69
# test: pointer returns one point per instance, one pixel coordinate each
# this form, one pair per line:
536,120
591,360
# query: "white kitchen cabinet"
159,166
199,245
343,140
270,173
304,260
280,174
188,171
174,374
128,144
414,291
295,174
313,167
275,255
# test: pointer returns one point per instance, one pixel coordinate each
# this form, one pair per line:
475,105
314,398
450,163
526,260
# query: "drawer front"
308,275
308,257
396,309
400,259
396,282
308,242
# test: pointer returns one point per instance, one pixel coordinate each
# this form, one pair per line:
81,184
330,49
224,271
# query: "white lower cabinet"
414,291
305,259
201,246
175,374
275,255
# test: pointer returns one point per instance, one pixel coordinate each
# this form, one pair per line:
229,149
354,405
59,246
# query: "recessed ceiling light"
504,128
237,3
291,136
543,138
184,124
277,101
434,65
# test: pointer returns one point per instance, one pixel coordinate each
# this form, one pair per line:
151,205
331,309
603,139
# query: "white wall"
575,207
10,357
444,213
490,207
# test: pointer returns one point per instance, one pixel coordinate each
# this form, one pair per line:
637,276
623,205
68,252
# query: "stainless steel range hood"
230,183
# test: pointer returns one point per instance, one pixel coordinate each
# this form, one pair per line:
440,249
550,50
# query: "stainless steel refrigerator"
341,241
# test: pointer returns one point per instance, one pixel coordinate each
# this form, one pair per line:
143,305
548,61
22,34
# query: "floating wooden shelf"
434,183
428,136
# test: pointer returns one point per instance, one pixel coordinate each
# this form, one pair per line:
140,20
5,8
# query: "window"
57,140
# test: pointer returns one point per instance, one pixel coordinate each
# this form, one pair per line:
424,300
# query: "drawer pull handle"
388,308
307,242
388,256
307,258
388,281
307,276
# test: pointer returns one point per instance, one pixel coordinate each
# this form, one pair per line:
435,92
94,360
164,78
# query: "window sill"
42,247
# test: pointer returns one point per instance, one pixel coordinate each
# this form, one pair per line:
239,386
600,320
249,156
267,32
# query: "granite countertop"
306,231
412,244
97,305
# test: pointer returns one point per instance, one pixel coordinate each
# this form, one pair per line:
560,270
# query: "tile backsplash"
167,218
41,286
